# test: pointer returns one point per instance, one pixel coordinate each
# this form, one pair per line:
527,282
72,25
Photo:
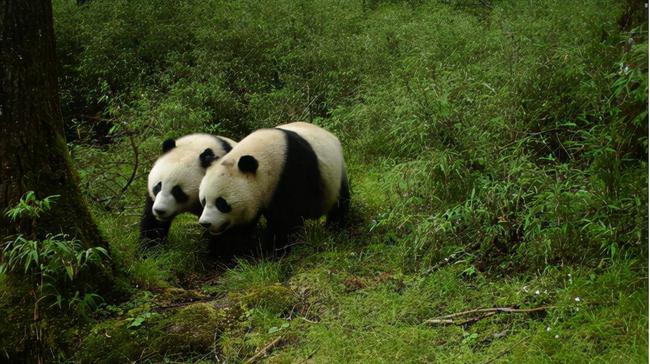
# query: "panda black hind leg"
152,231
336,216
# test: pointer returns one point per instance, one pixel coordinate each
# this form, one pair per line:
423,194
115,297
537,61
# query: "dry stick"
264,350
448,321
214,346
136,162
486,312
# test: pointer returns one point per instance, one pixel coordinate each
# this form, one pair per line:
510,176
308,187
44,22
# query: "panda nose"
205,224
160,212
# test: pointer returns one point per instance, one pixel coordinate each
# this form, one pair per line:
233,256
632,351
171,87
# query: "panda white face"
230,198
173,186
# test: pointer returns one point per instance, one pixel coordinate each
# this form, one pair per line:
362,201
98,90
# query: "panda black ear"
168,145
207,157
247,164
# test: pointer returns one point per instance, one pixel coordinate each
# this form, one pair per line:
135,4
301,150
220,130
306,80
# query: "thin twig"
214,346
136,163
449,321
483,313
308,320
311,355
264,350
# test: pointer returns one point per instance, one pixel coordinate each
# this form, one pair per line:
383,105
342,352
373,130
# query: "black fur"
299,193
168,145
235,243
225,145
207,157
222,205
179,195
247,164
336,216
152,230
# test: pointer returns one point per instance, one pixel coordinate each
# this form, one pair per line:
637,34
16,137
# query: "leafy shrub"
494,135
51,264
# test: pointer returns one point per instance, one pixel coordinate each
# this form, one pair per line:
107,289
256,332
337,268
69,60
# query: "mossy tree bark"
33,151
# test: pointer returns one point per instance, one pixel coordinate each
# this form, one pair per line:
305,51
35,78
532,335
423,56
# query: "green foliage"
487,131
491,145
52,263
30,207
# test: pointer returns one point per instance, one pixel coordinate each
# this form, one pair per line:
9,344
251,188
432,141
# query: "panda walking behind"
288,174
173,182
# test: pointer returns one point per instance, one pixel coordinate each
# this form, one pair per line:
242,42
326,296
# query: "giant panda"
288,173
173,182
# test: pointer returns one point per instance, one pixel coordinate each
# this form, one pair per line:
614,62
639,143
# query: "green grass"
495,149
356,301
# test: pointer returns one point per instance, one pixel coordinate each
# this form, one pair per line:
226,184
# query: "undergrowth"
497,152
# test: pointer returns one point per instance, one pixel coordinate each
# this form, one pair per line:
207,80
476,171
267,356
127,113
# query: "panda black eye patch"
222,205
203,202
179,195
157,188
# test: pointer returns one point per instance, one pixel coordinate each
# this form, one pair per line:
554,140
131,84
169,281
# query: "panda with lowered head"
173,183
289,173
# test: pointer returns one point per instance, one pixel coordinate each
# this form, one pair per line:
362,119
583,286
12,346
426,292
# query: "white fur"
181,166
247,194
330,157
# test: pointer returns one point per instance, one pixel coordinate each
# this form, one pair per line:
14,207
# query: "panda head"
173,182
231,194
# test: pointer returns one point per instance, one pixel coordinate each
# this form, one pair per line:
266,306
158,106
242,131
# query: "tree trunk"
33,151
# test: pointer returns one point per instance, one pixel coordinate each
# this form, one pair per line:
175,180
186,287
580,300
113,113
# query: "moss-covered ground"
346,297
497,152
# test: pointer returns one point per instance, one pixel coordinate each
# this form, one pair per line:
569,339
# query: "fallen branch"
264,350
136,163
482,313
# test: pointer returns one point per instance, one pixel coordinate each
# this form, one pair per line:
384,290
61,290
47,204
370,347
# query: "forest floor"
344,296
497,152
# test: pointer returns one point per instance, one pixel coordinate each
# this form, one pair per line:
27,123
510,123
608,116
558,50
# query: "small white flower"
548,328
557,336
537,292
577,299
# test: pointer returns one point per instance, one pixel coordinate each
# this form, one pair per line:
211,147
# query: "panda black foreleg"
336,216
152,230
278,231
233,243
